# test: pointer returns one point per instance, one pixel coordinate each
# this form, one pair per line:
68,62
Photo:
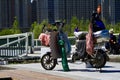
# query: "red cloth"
89,41
45,39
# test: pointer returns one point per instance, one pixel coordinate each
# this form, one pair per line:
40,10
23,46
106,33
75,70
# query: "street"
78,71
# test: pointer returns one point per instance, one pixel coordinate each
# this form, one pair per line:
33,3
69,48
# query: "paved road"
78,71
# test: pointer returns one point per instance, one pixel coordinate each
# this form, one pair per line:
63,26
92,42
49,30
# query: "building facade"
111,10
6,13
23,12
51,10
82,9
34,11
64,9
117,10
9,9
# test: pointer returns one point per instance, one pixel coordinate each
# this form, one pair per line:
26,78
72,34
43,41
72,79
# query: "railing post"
32,42
26,43
18,40
7,42
36,42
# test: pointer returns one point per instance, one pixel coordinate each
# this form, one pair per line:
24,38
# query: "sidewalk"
19,74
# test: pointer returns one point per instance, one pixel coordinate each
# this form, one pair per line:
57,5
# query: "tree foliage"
5,32
15,27
36,28
82,24
75,22
14,30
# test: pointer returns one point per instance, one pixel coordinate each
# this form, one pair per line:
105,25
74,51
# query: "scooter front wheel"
47,62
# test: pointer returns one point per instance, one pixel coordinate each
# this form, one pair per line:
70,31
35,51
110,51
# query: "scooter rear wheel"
99,61
47,62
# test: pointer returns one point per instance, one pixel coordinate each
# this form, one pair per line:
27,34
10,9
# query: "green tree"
116,28
66,29
15,27
5,32
81,23
36,28
85,25
14,30
73,24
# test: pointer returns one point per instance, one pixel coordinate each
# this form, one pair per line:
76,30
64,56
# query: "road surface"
78,71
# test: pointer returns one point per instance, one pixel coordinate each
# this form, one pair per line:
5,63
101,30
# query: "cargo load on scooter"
80,35
102,36
44,38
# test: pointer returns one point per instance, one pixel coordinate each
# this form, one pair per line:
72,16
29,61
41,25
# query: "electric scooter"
49,59
98,58
59,46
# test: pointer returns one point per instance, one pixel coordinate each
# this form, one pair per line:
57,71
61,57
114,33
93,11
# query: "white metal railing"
20,37
37,43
